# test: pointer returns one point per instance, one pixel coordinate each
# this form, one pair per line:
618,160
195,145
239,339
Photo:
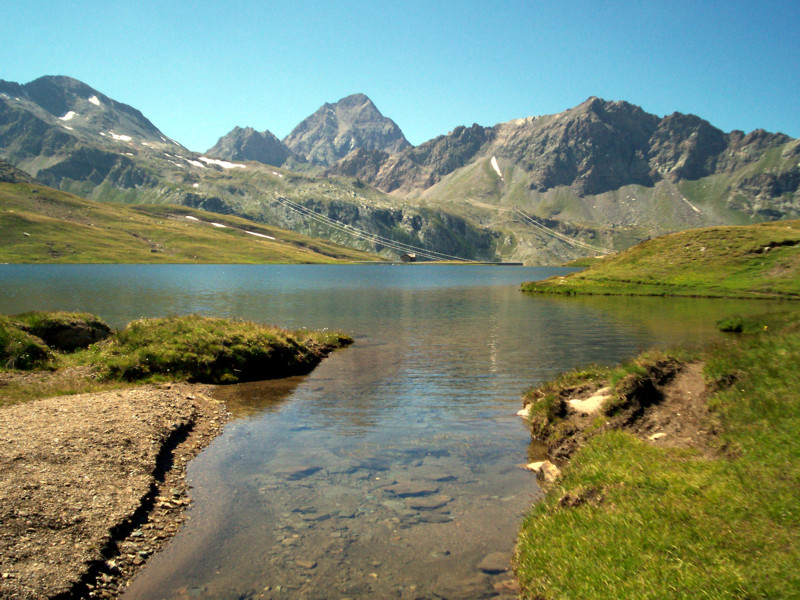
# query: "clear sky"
197,69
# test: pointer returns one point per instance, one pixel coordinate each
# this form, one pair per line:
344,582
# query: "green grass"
40,224
19,349
586,261
191,348
209,350
754,261
668,523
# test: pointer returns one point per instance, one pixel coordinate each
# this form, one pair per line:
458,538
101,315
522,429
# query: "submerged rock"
298,472
428,502
406,489
496,562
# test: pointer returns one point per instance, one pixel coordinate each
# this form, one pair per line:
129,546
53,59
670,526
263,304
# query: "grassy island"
81,353
752,261
680,474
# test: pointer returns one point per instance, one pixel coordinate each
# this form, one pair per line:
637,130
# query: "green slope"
41,224
751,261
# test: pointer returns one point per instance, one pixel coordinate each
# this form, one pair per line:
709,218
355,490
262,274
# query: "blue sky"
197,69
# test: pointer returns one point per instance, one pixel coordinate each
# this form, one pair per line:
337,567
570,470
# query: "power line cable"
564,238
368,236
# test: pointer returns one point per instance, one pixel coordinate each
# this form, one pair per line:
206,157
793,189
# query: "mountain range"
597,177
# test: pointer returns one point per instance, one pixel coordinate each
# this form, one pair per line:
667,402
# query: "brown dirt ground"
675,415
681,419
93,484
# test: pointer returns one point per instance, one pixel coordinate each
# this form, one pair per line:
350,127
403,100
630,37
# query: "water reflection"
256,397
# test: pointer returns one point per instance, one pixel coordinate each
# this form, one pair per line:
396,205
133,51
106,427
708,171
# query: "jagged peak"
352,104
335,130
592,102
357,98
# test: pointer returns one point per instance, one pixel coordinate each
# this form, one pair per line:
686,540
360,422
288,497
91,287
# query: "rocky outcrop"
335,130
249,144
24,135
97,166
685,147
360,163
10,174
433,230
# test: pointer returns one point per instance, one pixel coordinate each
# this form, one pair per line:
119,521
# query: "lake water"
307,494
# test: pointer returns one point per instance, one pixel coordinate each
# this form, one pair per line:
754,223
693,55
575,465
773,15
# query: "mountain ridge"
571,149
542,189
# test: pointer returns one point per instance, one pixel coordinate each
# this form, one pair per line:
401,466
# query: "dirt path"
681,418
93,484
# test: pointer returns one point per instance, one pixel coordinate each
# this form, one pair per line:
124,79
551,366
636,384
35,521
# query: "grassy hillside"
713,514
40,224
752,261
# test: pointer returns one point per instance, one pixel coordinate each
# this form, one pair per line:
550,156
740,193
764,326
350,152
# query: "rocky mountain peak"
248,144
58,94
337,129
70,111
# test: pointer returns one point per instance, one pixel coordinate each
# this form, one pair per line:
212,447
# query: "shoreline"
660,459
95,484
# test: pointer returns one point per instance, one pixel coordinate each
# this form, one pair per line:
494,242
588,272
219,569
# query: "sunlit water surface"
299,497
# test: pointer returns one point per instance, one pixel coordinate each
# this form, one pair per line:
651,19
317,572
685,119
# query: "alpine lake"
392,470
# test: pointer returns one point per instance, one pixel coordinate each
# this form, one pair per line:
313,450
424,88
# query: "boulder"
544,470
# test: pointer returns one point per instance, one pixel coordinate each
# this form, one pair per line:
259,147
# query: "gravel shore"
93,484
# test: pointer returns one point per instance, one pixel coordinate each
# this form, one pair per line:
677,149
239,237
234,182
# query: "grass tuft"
193,348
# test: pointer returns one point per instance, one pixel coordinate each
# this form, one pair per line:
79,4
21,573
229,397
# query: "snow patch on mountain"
496,168
120,137
261,235
222,163
68,116
94,100
693,207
